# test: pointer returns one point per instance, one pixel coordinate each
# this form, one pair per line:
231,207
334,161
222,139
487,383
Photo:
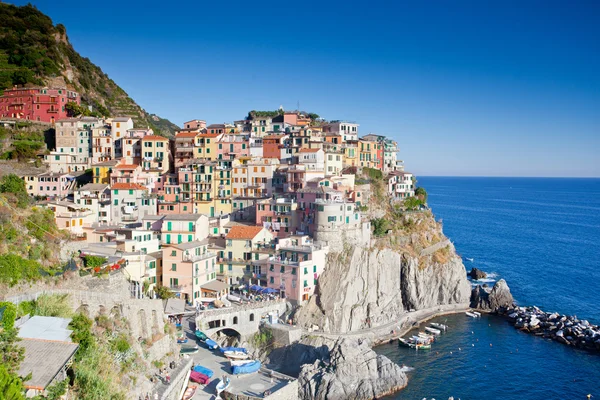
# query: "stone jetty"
565,329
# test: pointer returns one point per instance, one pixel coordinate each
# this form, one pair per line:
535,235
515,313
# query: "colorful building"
41,104
243,246
155,153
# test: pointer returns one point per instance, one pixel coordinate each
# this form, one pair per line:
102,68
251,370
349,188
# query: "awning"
256,288
214,286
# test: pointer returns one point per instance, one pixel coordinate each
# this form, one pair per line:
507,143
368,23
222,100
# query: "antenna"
298,105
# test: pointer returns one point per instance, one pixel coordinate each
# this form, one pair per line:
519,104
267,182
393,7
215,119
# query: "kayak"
211,344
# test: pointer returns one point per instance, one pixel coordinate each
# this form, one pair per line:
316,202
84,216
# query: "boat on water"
419,339
439,326
422,346
424,335
236,355
246,368
433,330
203,370
224,349
189,392
188,350
406,343
470,259
211,344
474,314
199,377
239,362
223,385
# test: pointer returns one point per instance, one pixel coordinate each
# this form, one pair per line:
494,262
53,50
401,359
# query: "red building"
272,145
37,104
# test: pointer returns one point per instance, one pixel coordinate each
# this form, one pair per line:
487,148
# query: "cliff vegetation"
34,51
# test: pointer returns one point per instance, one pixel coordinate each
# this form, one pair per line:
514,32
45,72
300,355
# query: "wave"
406,369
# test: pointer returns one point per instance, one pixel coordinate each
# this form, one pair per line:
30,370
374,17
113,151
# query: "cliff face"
368,287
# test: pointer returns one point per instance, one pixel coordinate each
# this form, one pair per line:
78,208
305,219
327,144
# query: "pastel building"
400,185
312,159
347,130
50,184
71,217
190,271
131,202
103,145
334,162
182,228
155,153
280,216
102,171
244,245
96,197
252,181
118,130
295,268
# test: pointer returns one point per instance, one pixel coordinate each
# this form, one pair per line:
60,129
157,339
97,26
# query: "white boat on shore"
439,326
237,363
473,314
236,355
433,330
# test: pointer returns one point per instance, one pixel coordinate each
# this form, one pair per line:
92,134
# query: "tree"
11,183
412,203
11,386
164,293
82,334
380,226
313,116
421,193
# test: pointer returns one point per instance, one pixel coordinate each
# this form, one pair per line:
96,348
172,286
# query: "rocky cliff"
338,369
366,287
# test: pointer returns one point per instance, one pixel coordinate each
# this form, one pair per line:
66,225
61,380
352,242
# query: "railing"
129,218
194,257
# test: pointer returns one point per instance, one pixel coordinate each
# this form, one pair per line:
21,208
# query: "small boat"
424,335
211,344
423,346
470,259
189,392
433,330
203,370
182,339
477,313
224,349
473,314
406,343
201,336
246,368
188,350
439,326
199,377
236,355
223,385
237,363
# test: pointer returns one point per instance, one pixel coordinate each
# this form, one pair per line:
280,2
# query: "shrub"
163,292
14,269
56,305
421,193
11,183
412,203
380,226
373,173
94,261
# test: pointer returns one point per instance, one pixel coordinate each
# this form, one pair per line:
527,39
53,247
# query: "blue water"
543,237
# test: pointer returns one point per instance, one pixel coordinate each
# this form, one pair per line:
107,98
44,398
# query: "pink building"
232,146
125,173
37,104
279,216
190,270
295,269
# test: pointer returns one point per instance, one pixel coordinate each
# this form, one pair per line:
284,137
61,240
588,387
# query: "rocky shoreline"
564,329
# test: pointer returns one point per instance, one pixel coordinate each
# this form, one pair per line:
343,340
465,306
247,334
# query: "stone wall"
337,239
284,335
435,247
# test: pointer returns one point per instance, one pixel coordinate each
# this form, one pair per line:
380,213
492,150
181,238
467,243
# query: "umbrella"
269,290
256,288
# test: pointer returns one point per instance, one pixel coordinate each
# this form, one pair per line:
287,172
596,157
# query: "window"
169,226
173,267
173,253
235,320
282,269
305,283
331,219
251,317
191,227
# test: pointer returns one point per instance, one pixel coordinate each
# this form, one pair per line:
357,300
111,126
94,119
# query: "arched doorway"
228,337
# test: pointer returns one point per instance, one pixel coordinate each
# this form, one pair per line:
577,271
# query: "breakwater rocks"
565,329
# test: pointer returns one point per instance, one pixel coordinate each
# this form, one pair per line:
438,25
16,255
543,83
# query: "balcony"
129,218
176,288
226,260
194,258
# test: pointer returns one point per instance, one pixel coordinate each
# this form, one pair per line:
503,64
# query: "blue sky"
465,87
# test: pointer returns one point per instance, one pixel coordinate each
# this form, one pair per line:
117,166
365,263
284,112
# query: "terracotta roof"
243,232
186,134
126,166
309,150
210,135
128,186
155,138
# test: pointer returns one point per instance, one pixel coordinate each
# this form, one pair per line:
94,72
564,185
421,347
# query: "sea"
542,235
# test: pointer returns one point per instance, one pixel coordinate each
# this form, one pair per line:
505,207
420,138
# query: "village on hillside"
219,207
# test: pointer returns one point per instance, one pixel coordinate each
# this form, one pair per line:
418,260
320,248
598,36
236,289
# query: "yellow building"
368,154
244,246
155,153
350,154
101,171
208,185
206,145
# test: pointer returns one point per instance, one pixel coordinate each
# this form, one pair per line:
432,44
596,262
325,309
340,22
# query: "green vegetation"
380,226
47,306
32,50
75,110
15,269
413,203
263,338
14,185
421,193
11,355
373,173
264,114
163,292
94,261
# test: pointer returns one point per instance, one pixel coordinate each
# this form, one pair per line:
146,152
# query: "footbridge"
242,320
